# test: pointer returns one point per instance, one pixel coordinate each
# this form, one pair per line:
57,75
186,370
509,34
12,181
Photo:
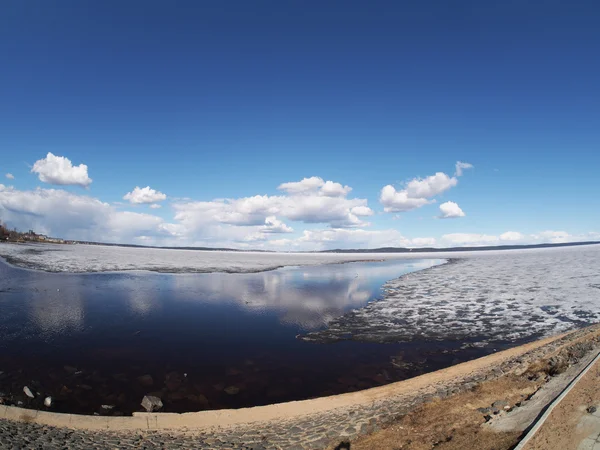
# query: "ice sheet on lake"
481,298
96,258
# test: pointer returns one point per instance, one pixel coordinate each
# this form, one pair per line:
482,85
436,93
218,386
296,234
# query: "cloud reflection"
60,308
309,297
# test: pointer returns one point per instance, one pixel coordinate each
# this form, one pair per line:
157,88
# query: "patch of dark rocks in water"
80,390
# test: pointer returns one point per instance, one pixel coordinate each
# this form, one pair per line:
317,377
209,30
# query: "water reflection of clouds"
60,308
309,296
142,291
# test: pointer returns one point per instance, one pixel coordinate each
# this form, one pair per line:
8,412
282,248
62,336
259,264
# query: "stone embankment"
310,424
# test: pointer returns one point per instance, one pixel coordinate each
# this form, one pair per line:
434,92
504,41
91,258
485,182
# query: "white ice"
482,297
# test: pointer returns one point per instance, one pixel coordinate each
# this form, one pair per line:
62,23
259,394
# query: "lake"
199,341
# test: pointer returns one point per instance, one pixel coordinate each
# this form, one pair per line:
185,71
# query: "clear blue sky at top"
208,99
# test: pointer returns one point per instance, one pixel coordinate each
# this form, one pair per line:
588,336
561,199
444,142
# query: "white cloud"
315,186
10,176
358,238
273,225
331,189
361,211
419,191
399,201
59,170
460,166
307,203
430,186
512,236
450,210
469,239
554,237
515,238
155,206
144,195
423,242
311,184
59,213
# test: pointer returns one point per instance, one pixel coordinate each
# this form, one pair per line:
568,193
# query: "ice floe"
481,298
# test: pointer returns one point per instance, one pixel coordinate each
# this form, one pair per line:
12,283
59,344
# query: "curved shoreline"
408,392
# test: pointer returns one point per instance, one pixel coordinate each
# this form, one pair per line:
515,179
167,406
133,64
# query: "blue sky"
203,101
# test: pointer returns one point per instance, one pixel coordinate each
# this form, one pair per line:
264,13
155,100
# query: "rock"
173,381
70,369
28,392
484,410
151,403
48,402
108,407
203,401
591,409
232,390
121,377
65,391
85,387
500,404
146,380
177,395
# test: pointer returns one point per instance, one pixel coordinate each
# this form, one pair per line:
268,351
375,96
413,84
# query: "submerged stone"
151,403
232,390
28,392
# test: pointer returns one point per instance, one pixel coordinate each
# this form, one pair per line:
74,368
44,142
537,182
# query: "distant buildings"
7,235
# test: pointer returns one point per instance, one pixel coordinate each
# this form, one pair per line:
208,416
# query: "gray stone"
146,380
151,403
232,390
28,392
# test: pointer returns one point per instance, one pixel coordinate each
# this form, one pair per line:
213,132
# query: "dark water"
208,341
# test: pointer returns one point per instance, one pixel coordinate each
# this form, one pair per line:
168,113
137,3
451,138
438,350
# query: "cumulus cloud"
555,237
362,211
311,184
273,225
468,239
399,201
430,186
331,189
59,213
144,196
460,166
358,238
423,242
315,186
450,210
10,176
515,238
418,192
512,236
59,170
155,206
310,201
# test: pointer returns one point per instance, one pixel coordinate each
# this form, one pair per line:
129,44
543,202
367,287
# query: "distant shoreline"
339,250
